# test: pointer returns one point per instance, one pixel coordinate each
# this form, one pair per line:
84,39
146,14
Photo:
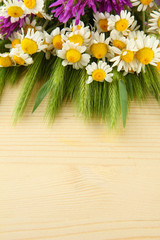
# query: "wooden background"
76,180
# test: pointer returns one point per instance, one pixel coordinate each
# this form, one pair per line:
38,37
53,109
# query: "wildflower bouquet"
101,54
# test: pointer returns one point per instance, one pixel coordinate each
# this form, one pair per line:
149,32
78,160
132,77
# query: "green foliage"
2,45
29,82
56,93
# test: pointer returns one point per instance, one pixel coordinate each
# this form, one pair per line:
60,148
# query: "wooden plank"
76,180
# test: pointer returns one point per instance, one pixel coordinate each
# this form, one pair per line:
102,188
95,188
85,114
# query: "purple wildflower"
7,27
69,9
117,5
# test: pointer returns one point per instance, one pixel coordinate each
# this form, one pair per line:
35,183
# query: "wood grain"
76,180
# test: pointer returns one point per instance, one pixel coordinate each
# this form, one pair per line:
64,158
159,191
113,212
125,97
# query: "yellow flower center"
19,60
158,66
145,55
78,27
15,42
127,56
73,55
15,11
146,2
98,75
29,27
76,38
121,25
39,15
30,3
158,22
29,46
99,50
57,42
5,61
103,24
119,44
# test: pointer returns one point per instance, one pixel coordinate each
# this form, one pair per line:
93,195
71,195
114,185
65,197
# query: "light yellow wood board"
77,180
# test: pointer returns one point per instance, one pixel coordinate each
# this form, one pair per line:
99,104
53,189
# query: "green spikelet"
56,94
14,74
104,102
29,82
113,104
3,77
84,97
72,83
138,89
154,77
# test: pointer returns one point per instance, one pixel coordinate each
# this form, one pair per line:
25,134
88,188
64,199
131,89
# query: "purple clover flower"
69,9
7,27
117,5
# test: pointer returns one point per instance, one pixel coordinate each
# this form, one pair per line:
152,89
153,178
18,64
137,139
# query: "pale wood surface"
76,180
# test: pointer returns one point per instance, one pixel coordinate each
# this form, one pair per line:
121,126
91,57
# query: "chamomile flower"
81,36
5,60
32,42
142,4
34,6
154,22
14,9
101,21
148,51
57,40
44,15
118,40
136,35
99,72
120,22
31,24
15,39
125,58
48,41
74,26
74,55
20,58
99,45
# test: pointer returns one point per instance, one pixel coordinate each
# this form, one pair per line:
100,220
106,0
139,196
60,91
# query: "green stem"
143,20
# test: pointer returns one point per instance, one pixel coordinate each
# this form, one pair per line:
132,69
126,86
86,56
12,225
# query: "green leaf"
41,95
123,101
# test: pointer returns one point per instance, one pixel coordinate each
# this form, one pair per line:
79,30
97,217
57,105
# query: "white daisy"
14,9
101,21
118,40
142,4
99,72
81,36
20,58
32,42
48,40
5,60
120,22
148,51
154,22
74,55
34,6
99,45
31,24
125,58
15,39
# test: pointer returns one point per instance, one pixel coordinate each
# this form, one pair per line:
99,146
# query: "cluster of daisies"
113,41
